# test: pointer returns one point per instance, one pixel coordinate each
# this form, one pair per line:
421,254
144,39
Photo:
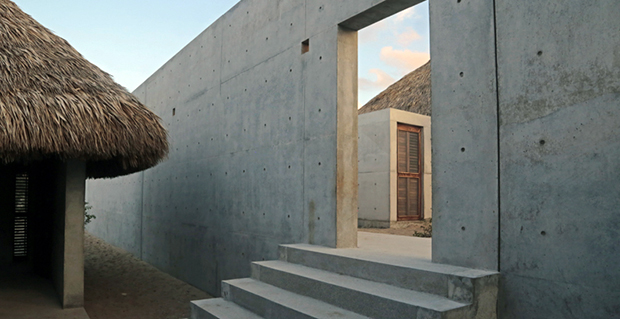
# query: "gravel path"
401,228
119,286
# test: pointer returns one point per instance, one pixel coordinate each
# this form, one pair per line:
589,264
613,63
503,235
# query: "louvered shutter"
409,170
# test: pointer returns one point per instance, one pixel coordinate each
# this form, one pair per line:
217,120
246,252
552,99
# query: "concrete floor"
24,296
419,248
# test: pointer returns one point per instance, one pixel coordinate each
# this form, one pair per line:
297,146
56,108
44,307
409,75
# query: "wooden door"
409,168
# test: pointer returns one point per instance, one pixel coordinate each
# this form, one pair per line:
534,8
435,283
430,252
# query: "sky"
131,39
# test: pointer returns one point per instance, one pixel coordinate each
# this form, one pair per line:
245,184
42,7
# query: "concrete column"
465,134
68,246
346,166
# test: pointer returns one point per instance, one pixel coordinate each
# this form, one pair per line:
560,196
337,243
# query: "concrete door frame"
347,132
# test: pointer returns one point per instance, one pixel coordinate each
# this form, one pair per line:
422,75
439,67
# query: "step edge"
309,303
203,305
386,287
412,262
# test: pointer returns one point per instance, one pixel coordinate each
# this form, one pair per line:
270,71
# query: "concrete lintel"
378,13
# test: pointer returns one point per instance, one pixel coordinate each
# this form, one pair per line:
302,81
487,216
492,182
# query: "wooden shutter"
20,225
409,167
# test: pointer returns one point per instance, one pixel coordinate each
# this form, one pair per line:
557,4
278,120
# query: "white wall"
378,174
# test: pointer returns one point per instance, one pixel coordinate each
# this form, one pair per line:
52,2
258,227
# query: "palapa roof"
54,104
412,93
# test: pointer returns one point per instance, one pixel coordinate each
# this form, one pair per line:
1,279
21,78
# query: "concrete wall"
526,112
68,235
263,142
378,175
375,153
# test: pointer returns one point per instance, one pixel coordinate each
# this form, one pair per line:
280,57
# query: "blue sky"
131,39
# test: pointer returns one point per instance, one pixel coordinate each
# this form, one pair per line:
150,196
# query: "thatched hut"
62,120
412,93
394,152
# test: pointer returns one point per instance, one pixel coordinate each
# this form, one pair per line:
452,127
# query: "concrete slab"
370,298
273,302
219,309
395,245
24,296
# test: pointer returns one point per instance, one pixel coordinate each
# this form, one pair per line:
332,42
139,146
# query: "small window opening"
305,46
20,225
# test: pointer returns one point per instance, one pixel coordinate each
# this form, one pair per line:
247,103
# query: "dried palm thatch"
412,93
54,104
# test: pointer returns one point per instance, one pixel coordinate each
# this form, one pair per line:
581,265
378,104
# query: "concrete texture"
319,282
68,238
464,102
559,106
27,296
378,175
263,142
535,108
369,298
272,302
219,309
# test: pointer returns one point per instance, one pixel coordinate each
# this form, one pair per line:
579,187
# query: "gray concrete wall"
68,234
377,165
263,142
374,157
547,131
464,101
559,106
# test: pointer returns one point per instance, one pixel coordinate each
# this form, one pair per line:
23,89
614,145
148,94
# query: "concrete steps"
319,282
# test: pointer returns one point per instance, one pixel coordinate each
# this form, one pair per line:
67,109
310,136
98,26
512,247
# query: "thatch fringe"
412,93
54,103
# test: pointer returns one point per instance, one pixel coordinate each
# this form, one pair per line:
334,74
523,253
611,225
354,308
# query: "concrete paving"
24,296
395,245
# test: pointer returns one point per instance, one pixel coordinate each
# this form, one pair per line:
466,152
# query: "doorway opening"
394,132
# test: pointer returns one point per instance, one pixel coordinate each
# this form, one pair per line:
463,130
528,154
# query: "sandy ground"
119,286
401,228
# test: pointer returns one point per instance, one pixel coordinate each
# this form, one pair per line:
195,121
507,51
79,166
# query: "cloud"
404,15
408,37
406,60
371,33
383,80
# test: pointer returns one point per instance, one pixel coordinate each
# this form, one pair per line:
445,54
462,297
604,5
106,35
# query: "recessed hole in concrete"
305,46
542,142
463,228
540,53
174,111
319,163
543,233
463,149
461,74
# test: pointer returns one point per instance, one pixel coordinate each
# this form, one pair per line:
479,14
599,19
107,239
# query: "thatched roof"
412,93
54,104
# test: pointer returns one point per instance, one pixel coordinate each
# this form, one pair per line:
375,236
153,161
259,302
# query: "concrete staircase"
318,282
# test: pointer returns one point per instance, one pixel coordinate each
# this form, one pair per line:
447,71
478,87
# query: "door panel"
409,167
